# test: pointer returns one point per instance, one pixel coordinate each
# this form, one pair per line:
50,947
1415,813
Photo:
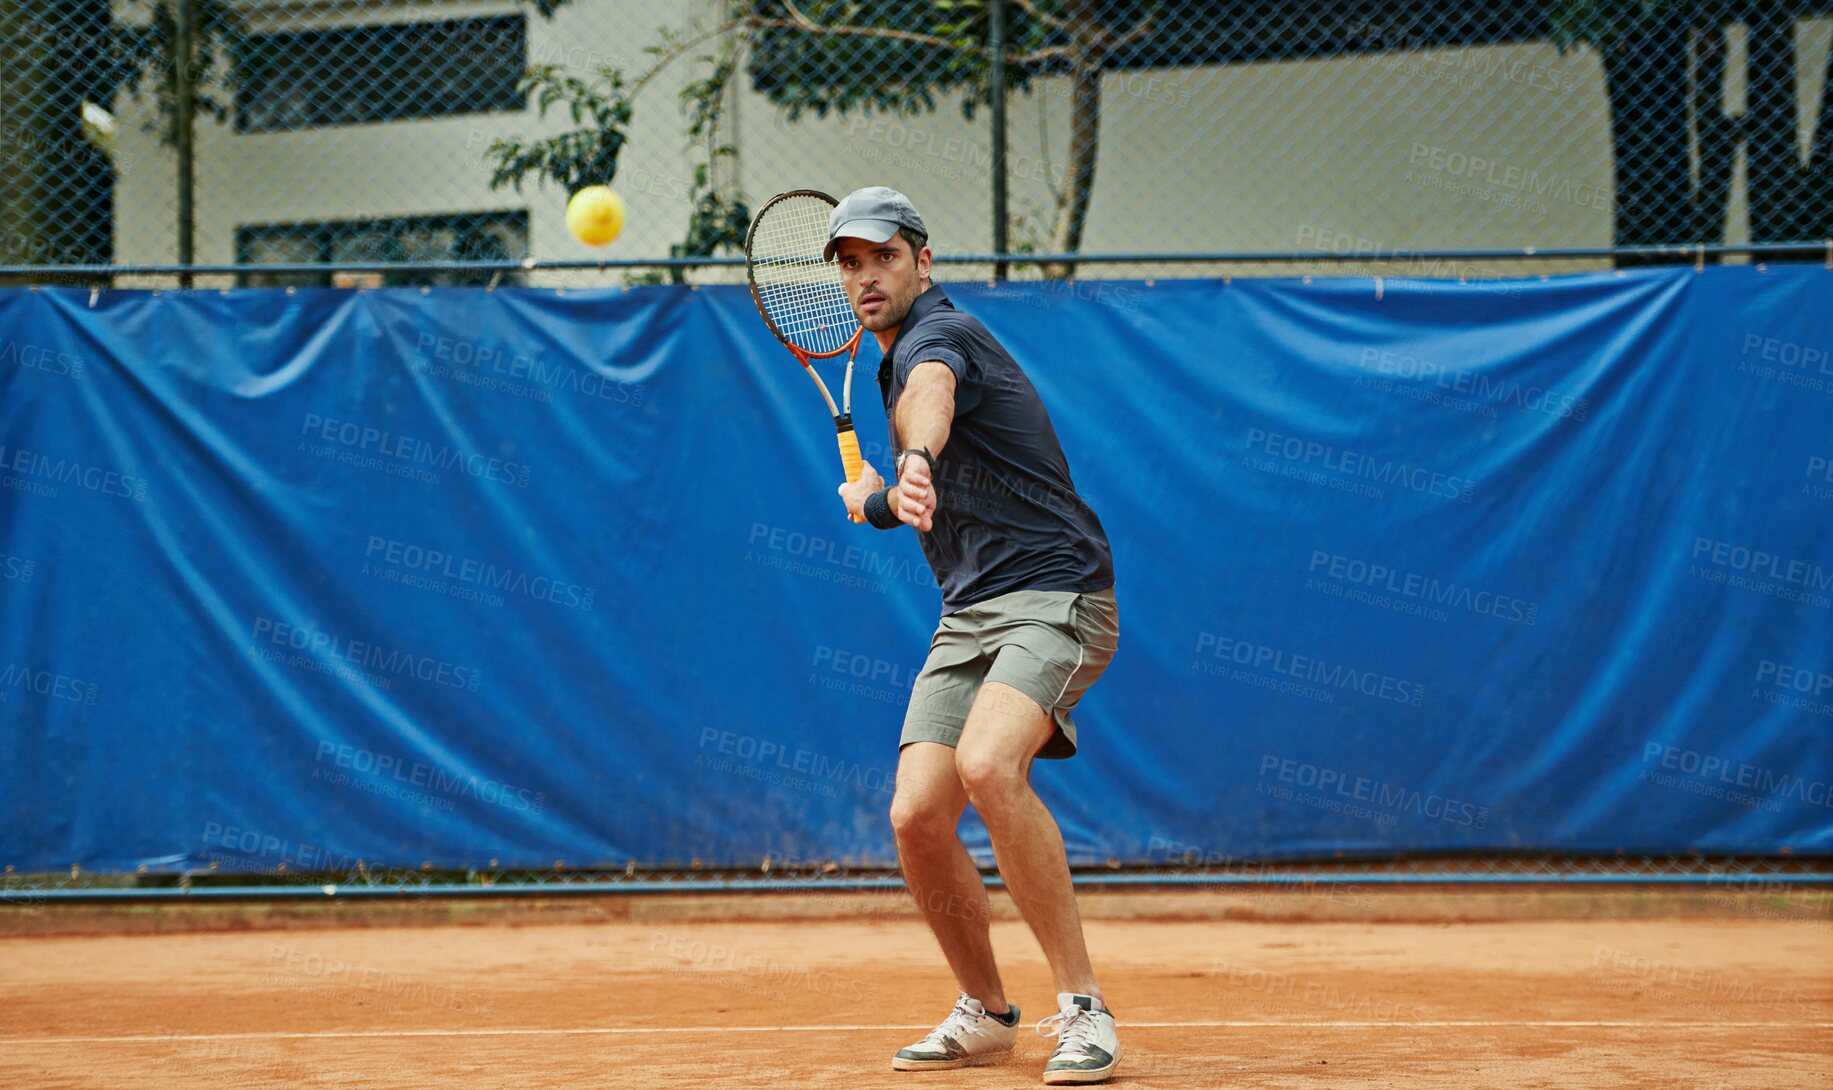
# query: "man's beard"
892,314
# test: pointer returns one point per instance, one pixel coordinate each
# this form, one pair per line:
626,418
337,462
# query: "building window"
475,236
357,75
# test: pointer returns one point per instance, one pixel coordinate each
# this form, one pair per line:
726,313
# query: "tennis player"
1028,623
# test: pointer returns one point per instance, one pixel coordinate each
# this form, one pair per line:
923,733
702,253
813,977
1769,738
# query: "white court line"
600,1031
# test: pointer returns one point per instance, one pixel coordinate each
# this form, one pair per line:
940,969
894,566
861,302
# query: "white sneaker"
1087,1046
967,1037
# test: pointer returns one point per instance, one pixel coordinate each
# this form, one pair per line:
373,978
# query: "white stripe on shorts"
1070,680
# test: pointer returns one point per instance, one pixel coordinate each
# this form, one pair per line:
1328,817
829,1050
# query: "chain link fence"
315,137
320,142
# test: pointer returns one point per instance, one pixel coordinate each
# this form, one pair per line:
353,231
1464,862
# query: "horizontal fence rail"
1665,254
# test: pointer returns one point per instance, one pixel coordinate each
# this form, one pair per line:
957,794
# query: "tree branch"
1140,30
1055,52
1046,18
803,22
669,56
1097,44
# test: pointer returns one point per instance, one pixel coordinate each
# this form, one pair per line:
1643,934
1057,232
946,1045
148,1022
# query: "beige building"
1468,147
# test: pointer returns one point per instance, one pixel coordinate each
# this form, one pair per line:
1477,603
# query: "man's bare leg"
1004,731
925,813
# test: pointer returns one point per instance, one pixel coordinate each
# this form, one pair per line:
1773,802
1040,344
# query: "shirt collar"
926,302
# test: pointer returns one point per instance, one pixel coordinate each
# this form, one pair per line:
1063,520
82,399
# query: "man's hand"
916,495
854,494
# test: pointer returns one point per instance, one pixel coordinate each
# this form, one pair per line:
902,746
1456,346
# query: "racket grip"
849,455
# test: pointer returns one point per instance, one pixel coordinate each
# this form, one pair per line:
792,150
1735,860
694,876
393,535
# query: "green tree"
1674,146
583,155
56,184
69,52
143,55
601,111
839,56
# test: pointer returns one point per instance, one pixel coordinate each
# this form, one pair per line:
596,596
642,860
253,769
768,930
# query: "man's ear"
922,264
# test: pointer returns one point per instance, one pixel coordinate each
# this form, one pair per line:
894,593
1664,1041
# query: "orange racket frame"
848,439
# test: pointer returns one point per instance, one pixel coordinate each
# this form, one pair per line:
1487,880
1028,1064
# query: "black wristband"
878,510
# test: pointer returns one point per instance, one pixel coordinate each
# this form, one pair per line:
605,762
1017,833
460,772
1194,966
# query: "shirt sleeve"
946,348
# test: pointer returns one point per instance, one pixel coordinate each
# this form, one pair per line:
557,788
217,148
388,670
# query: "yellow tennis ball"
595,215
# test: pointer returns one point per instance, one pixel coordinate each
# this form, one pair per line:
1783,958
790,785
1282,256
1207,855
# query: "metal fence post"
184,108
997,47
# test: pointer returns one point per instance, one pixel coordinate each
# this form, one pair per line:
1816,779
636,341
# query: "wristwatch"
923,452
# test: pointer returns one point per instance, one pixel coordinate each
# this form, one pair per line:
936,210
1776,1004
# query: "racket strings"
802,294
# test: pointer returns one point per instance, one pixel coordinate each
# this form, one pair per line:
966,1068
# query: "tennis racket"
804,301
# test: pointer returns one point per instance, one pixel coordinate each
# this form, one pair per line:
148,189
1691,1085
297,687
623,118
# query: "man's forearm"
924,415
928,431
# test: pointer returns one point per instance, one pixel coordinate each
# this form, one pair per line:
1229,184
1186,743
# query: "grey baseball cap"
874,214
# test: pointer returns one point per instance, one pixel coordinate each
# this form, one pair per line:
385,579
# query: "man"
1028,624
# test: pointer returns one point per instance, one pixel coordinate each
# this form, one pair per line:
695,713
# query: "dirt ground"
672,998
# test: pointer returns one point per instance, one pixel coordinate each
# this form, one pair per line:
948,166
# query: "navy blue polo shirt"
1007,513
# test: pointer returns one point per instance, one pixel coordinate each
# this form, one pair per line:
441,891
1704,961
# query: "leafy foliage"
1602,22
720,216
141,59
896,56
582,156
602,112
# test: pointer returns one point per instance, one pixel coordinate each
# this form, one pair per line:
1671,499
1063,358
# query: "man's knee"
921,814
991,778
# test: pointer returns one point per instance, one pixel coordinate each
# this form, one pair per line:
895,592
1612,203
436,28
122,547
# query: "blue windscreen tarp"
296,579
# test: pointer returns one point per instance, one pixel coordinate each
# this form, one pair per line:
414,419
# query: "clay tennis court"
1346,989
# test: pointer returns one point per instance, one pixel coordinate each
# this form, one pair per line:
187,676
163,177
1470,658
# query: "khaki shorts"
1050,645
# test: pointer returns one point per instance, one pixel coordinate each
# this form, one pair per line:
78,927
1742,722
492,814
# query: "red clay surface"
1682,1004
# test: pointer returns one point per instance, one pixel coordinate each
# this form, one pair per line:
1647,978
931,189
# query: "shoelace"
960,1020
1072,1027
